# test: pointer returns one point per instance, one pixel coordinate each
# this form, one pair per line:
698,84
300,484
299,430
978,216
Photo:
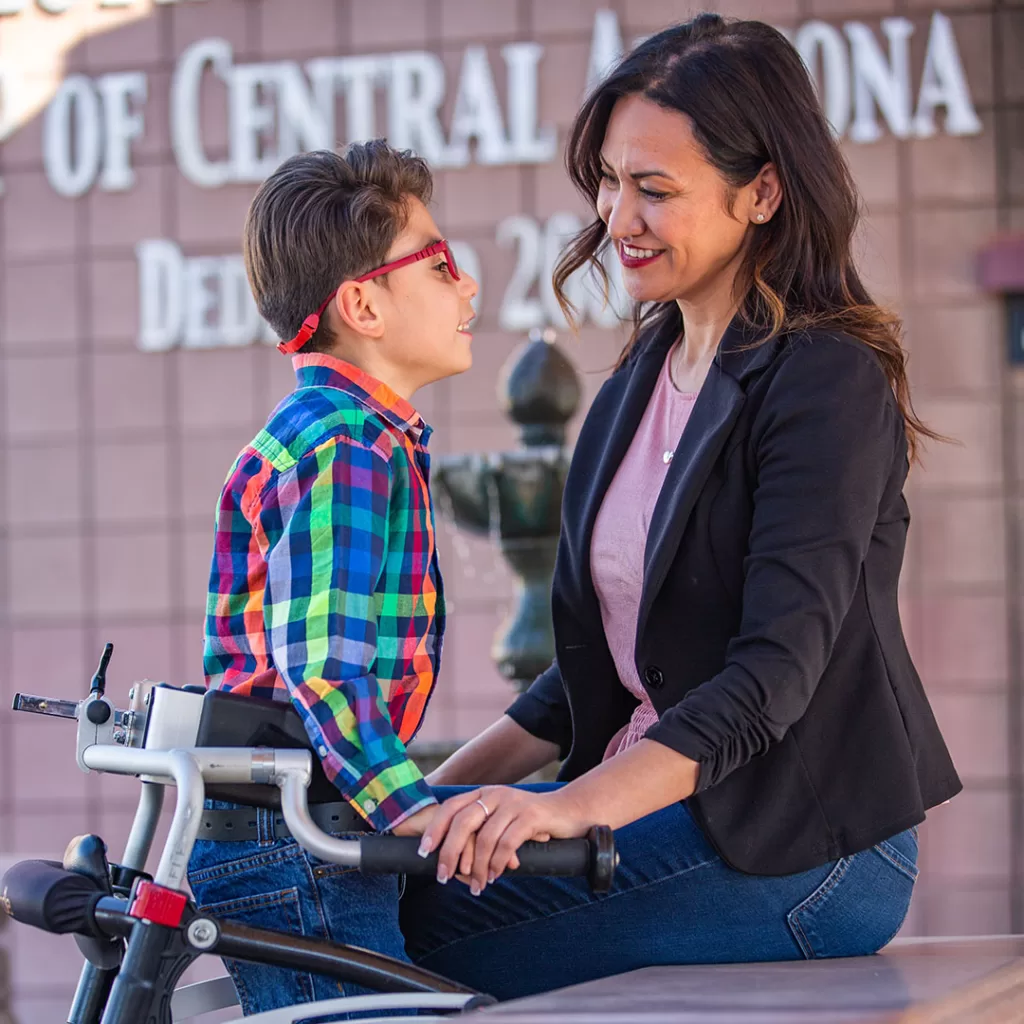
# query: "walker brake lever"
45,706
59,708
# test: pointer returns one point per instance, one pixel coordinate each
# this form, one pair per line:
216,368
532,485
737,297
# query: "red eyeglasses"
312,322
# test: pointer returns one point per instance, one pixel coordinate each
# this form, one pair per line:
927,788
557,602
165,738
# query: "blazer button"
654,677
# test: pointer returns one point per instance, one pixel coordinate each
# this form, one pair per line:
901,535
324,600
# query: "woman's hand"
477,833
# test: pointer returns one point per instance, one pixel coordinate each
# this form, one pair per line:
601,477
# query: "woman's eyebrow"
637,175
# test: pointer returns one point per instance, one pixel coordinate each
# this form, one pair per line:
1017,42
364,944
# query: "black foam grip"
41,893
387,855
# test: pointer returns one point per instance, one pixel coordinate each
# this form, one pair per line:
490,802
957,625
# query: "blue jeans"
674,901
276,884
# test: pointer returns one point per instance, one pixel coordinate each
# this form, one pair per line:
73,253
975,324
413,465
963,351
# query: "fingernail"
424,850
442,875
475,889
490,878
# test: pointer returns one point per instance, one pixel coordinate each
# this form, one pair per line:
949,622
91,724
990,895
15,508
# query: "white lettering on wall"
943,84
276,109
71,137
822,48
881,82
529,299
60,6
185,140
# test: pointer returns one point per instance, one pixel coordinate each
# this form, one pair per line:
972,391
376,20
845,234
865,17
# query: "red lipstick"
633,262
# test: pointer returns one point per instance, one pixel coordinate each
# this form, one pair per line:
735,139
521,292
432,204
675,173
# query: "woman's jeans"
674,901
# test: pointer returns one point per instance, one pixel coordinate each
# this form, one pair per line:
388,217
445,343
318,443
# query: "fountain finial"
538,389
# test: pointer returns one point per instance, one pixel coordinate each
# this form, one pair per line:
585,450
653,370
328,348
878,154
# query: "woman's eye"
652,195
608,178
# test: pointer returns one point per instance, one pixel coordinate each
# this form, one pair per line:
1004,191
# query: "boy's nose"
468,285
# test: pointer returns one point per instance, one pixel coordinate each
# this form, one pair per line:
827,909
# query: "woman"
732,690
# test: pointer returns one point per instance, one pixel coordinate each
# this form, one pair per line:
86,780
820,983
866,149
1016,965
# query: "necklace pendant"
667,458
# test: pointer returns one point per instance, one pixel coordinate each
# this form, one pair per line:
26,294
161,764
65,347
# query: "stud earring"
760,217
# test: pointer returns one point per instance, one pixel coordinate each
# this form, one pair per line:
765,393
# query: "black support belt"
240,825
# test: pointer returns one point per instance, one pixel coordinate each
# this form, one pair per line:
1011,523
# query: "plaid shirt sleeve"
326,524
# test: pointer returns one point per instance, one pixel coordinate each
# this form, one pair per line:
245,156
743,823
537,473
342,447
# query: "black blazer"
769,637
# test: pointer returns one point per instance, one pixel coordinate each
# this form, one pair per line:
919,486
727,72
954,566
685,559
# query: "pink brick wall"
111,459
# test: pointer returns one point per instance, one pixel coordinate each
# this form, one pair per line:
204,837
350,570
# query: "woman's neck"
704,323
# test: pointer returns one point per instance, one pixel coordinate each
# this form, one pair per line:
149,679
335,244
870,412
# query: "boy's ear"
359,308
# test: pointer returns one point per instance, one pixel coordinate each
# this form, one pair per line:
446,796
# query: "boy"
324,588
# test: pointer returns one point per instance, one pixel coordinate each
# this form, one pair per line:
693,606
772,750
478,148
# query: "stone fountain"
515,497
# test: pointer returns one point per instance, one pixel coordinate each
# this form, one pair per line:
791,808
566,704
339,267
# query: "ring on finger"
487,810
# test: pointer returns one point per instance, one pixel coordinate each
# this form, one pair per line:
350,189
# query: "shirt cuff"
389,796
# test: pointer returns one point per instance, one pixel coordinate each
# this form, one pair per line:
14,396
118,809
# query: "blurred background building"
133,365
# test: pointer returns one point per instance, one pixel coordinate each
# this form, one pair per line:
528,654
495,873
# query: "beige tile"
555,193
211,218
643,17
129,394
42,396
968,910
562,82
42,308
215,390
474,22
112,35
141,651
119,220
944,249
131,481
1011,132
564,17
474,569
956,348
975,457
204,464
195,560
227,19
877,254
287,29
967,840
114,303
44,577
963,540
55,780
974,728
1010,33
50,661
470,198
775,12
132,573
389,25
37,221
851,8
964,641
875,167
955,167
44,485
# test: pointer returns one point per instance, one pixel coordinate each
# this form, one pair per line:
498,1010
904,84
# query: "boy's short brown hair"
322,218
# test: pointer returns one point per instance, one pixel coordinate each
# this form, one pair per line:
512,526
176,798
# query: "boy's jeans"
674,901
276,884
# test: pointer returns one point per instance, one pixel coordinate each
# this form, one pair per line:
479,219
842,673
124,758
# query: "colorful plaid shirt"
325,588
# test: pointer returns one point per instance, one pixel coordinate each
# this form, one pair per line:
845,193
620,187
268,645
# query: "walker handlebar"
593,857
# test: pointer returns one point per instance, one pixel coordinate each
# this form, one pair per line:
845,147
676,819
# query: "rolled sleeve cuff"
386,797
683,741
534,715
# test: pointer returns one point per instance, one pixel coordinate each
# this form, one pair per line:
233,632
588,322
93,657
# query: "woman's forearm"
639,781
502,754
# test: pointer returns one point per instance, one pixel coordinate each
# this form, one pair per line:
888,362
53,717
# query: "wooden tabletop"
913,981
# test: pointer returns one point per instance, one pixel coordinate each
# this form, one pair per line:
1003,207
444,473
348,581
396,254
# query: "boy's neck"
376,368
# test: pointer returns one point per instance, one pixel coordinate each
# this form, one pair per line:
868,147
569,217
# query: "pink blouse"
620,536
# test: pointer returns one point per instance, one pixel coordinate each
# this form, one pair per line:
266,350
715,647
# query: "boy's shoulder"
311,417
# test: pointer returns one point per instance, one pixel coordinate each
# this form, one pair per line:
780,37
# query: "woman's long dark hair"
751,101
